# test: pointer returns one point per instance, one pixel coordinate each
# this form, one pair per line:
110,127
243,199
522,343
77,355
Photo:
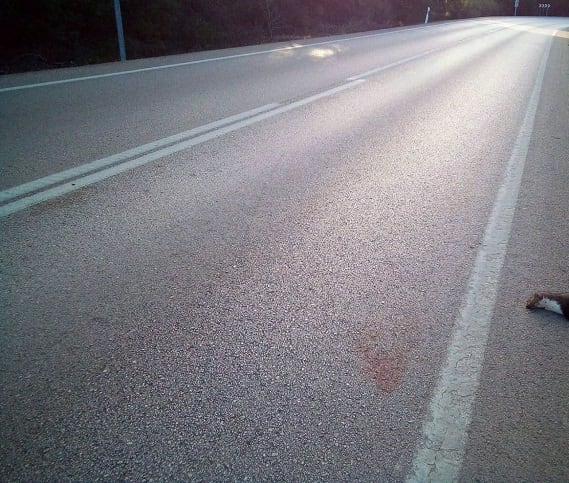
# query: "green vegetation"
51,33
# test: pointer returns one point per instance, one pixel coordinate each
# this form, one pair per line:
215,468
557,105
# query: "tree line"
50,33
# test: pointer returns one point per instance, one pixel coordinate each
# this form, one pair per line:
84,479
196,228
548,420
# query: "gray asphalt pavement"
274,300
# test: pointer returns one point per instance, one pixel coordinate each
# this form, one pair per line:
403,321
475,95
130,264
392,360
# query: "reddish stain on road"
385,358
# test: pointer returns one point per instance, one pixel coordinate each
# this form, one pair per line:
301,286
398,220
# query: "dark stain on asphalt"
385,356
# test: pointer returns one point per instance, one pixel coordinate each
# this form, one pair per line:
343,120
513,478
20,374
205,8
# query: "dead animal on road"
555,302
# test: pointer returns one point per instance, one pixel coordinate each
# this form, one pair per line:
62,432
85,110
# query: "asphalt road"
277,296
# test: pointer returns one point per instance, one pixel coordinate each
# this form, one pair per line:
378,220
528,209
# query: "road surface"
303,261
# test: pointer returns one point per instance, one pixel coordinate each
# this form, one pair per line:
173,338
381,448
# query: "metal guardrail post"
120,33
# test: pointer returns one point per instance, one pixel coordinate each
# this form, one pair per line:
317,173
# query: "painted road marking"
56,178
89,179
441,450
395,64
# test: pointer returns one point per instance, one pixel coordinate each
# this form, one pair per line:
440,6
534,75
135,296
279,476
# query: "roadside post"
120,34
427,16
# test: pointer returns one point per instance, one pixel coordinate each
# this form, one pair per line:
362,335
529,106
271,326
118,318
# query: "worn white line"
203,61
89,179
440,453
394,64
56,178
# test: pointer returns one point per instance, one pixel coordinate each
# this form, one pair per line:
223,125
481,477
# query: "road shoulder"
521,419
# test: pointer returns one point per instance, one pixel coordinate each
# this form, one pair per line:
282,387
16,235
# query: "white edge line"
203,61
65,188
441,450
55,178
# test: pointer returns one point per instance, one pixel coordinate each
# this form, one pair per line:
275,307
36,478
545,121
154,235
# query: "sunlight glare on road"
535,30
322,53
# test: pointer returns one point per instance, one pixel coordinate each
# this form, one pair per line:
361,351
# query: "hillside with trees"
39,34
